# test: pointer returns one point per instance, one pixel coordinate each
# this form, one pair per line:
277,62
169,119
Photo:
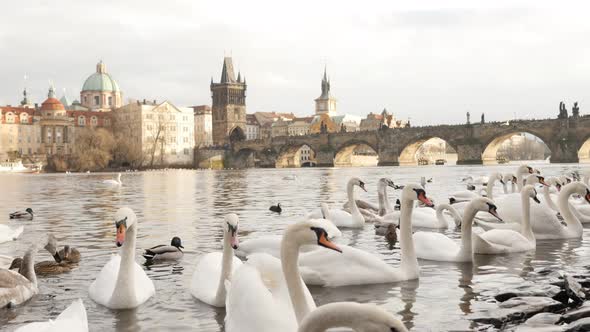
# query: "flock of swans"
268,290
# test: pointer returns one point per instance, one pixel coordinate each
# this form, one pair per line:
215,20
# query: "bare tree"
92,149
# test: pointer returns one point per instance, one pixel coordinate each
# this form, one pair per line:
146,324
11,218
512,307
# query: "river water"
79,210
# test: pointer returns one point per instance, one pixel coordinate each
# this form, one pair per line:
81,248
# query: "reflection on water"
78,209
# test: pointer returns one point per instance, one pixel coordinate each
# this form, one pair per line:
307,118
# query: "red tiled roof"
52,104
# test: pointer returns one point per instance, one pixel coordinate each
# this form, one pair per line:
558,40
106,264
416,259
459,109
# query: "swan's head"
554,181
415,192
357,182
564,180
497,177
486,205
313,232
124,219
531,192
509,177
230,227
524,169
176,242
533,178
387,182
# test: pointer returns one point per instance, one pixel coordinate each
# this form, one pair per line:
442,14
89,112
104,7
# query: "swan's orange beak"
120,238
324,242
494,213
234,242
422,197
542,181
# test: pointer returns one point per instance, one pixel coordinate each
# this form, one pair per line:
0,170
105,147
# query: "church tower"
228,106
326,103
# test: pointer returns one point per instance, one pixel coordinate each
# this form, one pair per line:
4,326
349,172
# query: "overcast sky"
431,61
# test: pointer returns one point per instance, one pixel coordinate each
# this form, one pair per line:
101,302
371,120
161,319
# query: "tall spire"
51,93
325,73
25,100
239,77
227,73
325,85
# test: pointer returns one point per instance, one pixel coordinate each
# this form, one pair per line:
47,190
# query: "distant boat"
18,167
440,162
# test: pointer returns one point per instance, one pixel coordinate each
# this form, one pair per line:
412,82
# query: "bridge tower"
228,106
325,103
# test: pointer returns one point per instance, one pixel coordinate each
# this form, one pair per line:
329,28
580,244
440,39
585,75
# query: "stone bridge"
474,143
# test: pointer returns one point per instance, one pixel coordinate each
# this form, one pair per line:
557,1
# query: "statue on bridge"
468,118
562,111
342,128
483,118
323,128
576,110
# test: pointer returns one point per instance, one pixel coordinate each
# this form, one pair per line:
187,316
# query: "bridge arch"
584,151
237,134
523,145
356,153
428,150
245,158
297,155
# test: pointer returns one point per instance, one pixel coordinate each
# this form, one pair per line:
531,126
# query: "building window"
185,129
107,122
185,118
172,128
172,117
24,118
9,117
110,101
96,100
150,127
186,152
93,121
85,99
81,121
185,139
173,151
149,116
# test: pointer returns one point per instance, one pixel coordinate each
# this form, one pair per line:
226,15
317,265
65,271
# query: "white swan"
73,318
342,218
271,244
384,205
502,241
266,295
467,195
16,288
8,233
112,182
122,283
208,282
520,172
357,267
423,218
439,247
554,229
509,177
357,316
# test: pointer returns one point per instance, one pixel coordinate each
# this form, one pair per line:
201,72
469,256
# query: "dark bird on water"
26,214
164,252
276,208
391,235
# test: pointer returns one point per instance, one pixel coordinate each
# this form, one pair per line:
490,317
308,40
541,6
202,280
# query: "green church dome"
100,81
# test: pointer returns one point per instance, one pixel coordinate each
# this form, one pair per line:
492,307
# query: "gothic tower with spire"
326,103
228,106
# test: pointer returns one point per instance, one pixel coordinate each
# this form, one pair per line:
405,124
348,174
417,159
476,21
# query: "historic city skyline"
414,60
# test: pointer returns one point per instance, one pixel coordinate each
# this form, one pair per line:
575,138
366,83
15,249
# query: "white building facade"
164,132
203,126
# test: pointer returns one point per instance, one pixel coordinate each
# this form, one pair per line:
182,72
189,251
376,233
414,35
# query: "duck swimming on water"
276,208
26,214
164,252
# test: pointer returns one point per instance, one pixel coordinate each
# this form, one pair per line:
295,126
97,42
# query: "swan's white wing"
258,299
9,234
144,286
499,241
73,318
435,246
351,267
205,280
103,286
421,218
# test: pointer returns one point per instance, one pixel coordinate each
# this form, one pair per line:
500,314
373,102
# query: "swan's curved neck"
382,199
513,187
565,209
440,208
226,268
519,181
466,229
548,199
505,188
388,207
490,187
525,229
290,264
409,261
27,269
125,285
350,192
